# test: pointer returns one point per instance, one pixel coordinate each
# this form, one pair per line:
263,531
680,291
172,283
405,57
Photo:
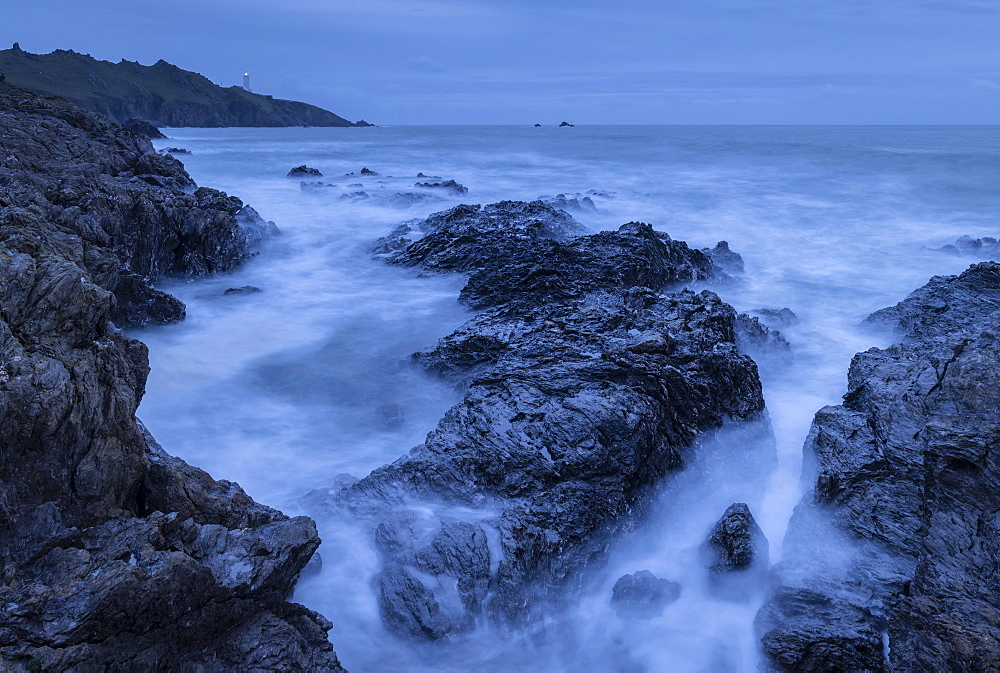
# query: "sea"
288,390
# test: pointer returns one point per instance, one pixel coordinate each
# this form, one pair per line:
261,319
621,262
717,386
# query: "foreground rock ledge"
584,385
115,556
890,563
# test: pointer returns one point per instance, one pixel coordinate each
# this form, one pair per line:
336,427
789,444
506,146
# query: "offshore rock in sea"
304,171
643,595
981,248
114,555
736,553
584,385
449,185
898,540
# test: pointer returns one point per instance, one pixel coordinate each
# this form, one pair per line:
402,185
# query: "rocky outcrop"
114,555
890,562
160,94
736,553
304,171
584,385
448,185
977,248
143,128
643,595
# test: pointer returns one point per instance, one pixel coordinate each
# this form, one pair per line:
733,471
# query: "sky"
544,61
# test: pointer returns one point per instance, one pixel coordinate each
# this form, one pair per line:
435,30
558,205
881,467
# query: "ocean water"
285,390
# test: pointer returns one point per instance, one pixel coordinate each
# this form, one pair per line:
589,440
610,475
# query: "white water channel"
284,390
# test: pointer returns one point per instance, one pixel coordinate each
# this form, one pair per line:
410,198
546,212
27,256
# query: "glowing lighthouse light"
246,81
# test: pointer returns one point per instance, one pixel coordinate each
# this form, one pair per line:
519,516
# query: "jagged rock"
114,555
177,150
736,553
643,595
368,171
355,196
566,124
361,123
724,258
143,128
981,248
737,542
579,395
577,203
245,289
304,171
897,540
449,185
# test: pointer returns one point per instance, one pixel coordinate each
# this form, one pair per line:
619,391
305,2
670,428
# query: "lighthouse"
246,81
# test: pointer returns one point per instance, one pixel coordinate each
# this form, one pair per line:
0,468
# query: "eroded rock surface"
643,595
584,385
114,555
890,563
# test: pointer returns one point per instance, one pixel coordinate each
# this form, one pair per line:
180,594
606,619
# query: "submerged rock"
245,289
775,317
981,248
304,171
449,185
114,555
643,595
584,385
898,538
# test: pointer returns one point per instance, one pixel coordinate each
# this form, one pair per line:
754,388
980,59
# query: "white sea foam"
285,390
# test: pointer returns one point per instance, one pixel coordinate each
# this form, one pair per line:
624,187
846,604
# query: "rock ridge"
115,556
584,384
890,561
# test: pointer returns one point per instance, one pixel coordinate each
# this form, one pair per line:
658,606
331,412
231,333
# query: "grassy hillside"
161,94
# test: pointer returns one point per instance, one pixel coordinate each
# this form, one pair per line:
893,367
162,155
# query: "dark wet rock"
176,150
775,317
736,553
584,385
359,195
449,185
765,345
979,248
724,258
566,124
368,171
432,177
537,125
643,595
315,187
304,171
114,555
245,289
361,123
898,536
143,128
577,203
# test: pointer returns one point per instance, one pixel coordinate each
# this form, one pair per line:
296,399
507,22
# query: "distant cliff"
161,94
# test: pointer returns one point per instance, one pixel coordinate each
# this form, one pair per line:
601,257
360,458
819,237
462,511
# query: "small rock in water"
736,552
367,171
354,196
447,184
304,171
983,248
246,289
177,150
643,595
566,124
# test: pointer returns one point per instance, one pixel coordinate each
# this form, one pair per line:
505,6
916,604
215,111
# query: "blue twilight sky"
588,62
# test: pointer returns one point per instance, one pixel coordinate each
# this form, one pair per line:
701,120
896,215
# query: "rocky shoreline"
114,555
890,561
588,376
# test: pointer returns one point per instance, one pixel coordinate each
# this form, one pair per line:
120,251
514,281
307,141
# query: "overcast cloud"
588,62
